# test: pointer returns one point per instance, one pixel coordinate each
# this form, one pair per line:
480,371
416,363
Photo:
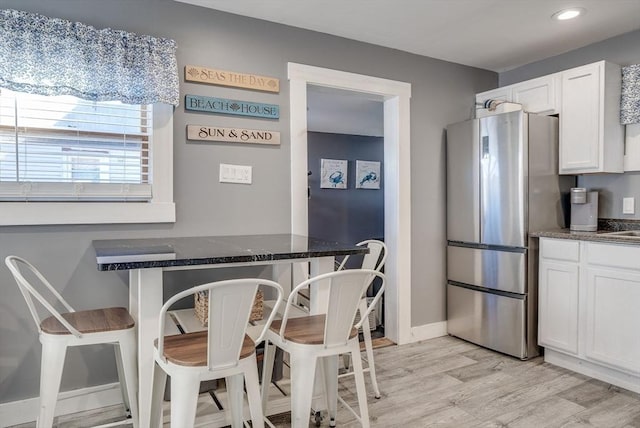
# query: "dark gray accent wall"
623,50
442,93
345,215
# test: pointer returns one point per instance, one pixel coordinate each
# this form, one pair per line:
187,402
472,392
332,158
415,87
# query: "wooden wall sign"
232,135
194,73
235,107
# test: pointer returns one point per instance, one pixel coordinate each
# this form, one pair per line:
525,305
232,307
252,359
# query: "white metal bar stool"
224,350
373,260
322,337
76,328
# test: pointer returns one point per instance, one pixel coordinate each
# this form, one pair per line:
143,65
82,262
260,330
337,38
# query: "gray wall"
442,93
623,50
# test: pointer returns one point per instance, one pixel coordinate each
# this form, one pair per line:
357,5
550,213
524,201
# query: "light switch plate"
235,173
628,205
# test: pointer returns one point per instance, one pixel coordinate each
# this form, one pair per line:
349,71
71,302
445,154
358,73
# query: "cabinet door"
612,315
558,306
580,120
539,95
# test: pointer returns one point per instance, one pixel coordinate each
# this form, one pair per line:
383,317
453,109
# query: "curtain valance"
51,56
630,102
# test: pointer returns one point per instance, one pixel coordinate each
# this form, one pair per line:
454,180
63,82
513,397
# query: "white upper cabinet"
541,95
591,137
587,98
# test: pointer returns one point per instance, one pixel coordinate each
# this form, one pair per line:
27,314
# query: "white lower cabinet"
589,309
612,318
558,306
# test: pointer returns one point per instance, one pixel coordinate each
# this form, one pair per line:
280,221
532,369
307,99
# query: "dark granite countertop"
126,254
605,227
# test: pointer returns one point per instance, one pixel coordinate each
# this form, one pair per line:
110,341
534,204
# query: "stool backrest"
374,259
230,304
17,265
345,288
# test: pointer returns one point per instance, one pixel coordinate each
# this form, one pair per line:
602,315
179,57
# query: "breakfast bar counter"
147,259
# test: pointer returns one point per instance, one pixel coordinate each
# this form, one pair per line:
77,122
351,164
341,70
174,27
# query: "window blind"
65,148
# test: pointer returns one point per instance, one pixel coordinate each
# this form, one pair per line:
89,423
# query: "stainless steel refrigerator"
502,183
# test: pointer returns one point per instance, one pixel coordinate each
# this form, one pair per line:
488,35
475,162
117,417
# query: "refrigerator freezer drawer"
499,270
489,320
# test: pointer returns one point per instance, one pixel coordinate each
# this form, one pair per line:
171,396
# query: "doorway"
397,190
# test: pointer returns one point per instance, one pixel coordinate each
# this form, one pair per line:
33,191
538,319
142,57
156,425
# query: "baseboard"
428,331
78,400
594,370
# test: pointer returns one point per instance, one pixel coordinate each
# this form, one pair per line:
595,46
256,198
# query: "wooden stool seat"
190,349
90,321
306,330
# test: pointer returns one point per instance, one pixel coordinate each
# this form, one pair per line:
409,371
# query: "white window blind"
57,148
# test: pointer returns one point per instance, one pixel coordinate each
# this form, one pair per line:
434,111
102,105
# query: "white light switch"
628,205
235,174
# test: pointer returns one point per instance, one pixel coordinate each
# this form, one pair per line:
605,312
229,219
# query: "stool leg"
303,369
52,363
330,369
267,371
129,376
157,393
359,377
122,378
184,399
235,396
368,345
253,394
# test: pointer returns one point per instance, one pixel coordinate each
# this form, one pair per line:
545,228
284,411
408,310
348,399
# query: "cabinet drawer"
614,255
560,249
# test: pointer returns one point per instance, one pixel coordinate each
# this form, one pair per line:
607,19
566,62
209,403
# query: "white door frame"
397,187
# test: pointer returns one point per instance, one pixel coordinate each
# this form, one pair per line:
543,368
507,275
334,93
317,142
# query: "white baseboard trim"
78,400
428,331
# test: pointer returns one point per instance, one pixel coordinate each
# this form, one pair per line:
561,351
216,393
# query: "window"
64,160
87,161
49,146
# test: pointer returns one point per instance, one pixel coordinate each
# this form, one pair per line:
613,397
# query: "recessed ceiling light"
564,14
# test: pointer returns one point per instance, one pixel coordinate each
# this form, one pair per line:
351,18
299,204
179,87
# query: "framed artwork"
333,174
367,175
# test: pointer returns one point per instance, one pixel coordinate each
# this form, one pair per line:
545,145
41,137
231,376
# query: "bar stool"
76,328
322,337
224,350
373,260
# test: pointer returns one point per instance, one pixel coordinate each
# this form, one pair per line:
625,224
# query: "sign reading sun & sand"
232,135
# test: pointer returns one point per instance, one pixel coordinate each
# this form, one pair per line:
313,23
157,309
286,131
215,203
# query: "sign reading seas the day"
225,106
194,73
232,135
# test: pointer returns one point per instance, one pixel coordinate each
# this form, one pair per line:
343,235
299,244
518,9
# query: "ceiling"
496,35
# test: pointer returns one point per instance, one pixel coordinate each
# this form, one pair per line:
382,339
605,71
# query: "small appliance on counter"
584,210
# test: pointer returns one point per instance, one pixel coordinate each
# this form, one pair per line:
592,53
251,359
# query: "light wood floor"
446,382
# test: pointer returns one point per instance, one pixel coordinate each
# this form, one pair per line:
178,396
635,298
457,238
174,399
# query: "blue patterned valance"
50,56
630,102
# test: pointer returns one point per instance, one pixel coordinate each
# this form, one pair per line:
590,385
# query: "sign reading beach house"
236,107
232,135
194,73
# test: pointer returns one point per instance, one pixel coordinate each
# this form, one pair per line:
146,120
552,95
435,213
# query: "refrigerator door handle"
485,147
